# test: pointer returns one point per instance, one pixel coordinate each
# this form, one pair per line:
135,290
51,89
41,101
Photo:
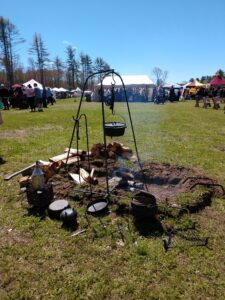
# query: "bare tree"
72,67
9,38
41,54
160,76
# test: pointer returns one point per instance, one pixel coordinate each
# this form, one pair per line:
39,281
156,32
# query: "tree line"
70,73
208,78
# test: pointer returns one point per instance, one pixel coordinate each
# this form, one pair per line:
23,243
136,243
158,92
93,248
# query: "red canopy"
16,85
217,80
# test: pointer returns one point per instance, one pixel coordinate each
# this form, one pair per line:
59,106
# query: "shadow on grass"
149,228
72,226
39,212
2,161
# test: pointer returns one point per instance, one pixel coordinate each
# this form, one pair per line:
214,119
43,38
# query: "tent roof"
128,80
170,84
194,83
62,90
32,82
217,80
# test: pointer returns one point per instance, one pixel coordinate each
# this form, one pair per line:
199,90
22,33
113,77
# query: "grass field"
40,260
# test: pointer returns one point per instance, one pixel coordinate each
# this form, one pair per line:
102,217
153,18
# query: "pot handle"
122,117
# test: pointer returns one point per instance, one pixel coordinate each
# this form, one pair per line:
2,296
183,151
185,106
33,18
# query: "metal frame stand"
77,125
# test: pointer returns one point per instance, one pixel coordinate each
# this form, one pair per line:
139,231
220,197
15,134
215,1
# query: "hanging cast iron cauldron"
114,128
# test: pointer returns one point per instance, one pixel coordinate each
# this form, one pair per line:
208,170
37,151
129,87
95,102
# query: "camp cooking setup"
102,176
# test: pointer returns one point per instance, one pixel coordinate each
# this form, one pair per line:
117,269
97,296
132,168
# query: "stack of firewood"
113,150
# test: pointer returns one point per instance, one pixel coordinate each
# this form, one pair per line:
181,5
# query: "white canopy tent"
32,82
139,87
170,84
55,89
62,90
141,80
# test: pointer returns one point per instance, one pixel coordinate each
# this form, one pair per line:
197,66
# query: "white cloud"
69,44
66,42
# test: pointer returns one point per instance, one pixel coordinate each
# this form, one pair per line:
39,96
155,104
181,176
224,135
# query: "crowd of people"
22,97
161,95
211,97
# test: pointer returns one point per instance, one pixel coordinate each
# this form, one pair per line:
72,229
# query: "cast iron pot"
143,205
98,207
114,128
56,207
40,198
68,216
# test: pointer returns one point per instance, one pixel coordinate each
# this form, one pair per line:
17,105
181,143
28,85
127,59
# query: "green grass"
40,260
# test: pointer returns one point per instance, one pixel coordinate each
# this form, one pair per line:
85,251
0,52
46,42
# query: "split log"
24,181
127,149
87,177
77,178
60,157
111,154
96,149
51,169
117,148
92,173
71,160
75,151
129,156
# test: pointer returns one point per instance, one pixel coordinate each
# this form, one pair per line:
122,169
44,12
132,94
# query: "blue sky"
186,38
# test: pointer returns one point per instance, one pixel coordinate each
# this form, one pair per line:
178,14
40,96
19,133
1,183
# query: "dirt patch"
166,182
10,237
22,133
220,148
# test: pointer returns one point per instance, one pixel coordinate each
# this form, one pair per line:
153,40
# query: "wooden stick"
79,232
8,177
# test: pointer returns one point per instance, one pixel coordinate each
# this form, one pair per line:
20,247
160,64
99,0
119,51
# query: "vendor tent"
217,80
129,80
139,87
32,82
170,84
62,90
194,83
55,89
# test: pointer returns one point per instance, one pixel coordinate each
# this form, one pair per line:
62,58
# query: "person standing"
49,96
44,97
30,97
4,96
1,107
38,97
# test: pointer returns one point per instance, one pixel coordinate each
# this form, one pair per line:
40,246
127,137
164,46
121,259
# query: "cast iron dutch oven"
56,207
68,216
98,207
114,128
143,205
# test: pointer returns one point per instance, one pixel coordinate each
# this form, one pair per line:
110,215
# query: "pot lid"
97,207
58,205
